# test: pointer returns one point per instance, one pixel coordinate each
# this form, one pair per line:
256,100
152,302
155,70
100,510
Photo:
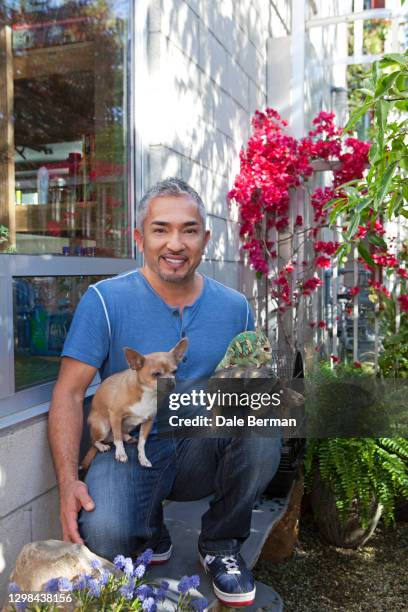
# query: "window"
66,176
43,309
63,127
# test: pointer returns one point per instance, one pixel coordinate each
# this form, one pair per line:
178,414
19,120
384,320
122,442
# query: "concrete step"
183,520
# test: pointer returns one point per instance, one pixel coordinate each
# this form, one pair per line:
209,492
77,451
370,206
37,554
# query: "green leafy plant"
383,192
358,469
393,360
361,469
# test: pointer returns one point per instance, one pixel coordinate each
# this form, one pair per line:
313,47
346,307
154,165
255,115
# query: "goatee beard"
170,278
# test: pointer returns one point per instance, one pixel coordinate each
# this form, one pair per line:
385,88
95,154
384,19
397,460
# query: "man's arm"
64,434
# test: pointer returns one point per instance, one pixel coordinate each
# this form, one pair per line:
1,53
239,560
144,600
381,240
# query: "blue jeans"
128,514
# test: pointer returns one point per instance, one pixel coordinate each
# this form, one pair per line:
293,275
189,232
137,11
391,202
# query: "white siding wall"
28,495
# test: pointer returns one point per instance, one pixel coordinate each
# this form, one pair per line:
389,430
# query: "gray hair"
171,186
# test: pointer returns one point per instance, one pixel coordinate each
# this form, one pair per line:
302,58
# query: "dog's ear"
179,350
134,359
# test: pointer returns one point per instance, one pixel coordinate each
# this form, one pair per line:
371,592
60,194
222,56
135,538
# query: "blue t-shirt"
127,311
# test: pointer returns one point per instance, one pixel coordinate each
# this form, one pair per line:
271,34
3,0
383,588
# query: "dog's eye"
156,374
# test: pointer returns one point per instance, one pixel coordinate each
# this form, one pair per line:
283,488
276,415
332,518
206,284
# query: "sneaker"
232,581
162,553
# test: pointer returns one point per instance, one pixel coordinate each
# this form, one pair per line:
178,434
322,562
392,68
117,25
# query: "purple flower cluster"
131,589
149,605
96,564
94,587
127,589
162,590
81,582
145,557
14,588
188,582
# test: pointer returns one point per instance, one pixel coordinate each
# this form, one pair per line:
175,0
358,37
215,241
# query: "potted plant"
354,481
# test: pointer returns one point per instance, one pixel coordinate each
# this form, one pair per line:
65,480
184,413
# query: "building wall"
29,507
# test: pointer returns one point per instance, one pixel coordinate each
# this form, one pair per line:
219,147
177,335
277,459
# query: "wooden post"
283,538
7,186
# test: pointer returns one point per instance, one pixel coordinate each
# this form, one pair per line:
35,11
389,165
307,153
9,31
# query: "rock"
284,536
40,561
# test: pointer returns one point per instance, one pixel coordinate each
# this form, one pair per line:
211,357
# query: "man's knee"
106,536
257,451
259,458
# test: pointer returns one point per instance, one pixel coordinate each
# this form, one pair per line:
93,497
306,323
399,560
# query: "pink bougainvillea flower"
403,300
379,228
334,359
272,165
357,364
311,284
322,262
282,224
329,248
322,325
354,291
385,259
361,232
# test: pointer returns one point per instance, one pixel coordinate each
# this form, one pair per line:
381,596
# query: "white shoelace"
231,565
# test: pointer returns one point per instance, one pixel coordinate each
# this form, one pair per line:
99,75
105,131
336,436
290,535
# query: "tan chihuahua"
129,398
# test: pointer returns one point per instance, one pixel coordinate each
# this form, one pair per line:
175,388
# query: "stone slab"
184,522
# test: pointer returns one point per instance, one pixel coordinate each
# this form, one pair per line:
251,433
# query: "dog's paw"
121,456
144,461
102,448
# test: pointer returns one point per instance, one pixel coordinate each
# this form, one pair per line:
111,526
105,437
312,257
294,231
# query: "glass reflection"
43,311
63,173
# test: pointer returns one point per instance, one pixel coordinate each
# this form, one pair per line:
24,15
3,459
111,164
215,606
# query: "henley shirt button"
175,313
183,333
184,359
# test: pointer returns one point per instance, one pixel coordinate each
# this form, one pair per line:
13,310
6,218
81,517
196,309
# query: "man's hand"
64,432
73,497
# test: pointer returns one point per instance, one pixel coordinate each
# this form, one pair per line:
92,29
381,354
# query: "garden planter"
347,534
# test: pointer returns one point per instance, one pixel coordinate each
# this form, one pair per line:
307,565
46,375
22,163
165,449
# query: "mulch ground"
323,578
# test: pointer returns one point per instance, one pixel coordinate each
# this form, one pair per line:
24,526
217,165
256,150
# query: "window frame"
18,406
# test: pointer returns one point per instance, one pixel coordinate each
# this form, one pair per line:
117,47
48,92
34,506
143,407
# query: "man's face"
173,239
